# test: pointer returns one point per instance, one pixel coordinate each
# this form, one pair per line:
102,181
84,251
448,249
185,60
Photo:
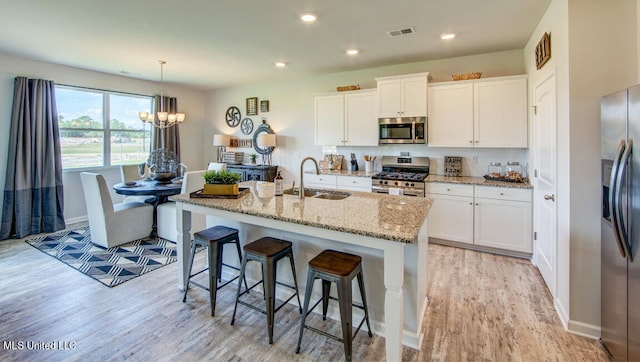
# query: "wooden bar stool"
267,251
214,239
335,267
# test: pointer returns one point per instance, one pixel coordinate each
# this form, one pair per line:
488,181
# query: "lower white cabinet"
496,217
349,183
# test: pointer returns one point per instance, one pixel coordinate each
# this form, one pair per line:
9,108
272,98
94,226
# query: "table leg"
393,300
183,225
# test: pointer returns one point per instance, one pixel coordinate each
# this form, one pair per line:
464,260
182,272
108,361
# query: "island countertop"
395,218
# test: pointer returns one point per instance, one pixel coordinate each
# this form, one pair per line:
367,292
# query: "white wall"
189,101
291,110
594,52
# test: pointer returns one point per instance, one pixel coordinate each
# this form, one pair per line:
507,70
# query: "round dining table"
159,190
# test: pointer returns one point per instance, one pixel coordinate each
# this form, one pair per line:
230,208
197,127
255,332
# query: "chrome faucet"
301,193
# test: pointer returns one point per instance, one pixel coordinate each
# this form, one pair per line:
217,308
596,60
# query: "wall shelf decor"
252,106
264,106
543,50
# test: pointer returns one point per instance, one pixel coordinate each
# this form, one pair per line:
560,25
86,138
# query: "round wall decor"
263,128
233,116
246,125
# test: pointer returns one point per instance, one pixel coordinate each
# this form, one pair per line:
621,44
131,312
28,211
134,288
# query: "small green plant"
221,177
253,157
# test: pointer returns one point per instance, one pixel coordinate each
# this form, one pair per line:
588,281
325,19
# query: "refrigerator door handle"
614,197
621,218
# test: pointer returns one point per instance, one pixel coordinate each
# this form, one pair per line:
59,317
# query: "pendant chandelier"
164,119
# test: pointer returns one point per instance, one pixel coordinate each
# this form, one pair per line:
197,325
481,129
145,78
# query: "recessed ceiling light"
308,18
281,64
353,51
447,36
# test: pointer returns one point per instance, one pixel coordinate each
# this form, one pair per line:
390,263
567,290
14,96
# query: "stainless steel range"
402,172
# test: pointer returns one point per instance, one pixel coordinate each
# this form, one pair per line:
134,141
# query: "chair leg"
305,310
363,294
235,307
326,289
186,285
344,297
213,275
269,284
295,280
237,242
218,259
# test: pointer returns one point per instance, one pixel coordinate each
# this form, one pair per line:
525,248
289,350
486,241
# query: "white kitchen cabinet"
489,113
503,218
402,96
495,217
320,181
346,119
450,115
354,183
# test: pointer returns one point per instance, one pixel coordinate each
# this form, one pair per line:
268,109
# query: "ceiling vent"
405,31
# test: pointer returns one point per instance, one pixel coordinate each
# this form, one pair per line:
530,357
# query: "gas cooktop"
401,176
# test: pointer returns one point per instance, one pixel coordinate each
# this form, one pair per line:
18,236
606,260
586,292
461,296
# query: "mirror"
263,128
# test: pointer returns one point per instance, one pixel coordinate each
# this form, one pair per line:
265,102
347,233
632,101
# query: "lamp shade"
221,140
267,140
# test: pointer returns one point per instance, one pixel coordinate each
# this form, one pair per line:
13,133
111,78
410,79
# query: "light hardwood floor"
482,307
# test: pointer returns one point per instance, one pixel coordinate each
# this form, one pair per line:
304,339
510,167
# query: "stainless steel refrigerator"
620,264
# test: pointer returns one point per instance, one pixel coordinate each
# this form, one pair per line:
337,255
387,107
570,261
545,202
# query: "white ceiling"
211,44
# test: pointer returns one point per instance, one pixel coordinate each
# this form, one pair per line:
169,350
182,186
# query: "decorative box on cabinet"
254,172
402,96
346,119
490,113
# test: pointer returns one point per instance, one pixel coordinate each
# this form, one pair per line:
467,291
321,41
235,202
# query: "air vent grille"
405,31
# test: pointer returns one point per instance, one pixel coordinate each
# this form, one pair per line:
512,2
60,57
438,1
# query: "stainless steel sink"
320,194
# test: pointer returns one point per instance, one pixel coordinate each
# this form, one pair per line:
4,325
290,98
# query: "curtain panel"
33,195
168,138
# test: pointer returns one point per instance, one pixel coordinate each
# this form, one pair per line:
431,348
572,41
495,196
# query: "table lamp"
267,140
222,141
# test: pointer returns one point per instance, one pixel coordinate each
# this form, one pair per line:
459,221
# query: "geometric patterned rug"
111,266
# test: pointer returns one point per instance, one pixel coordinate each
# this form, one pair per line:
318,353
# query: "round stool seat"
215,233
267,246
335,262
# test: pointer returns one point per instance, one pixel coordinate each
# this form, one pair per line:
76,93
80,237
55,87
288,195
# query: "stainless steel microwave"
402,130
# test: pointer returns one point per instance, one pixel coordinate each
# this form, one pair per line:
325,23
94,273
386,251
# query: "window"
102,128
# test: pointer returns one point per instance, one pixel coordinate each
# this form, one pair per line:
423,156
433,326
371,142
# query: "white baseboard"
75,220
575,327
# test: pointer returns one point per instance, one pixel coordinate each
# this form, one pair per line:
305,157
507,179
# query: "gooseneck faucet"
301,193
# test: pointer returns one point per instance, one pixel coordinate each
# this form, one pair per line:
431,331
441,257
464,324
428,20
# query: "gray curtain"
33,197
168,138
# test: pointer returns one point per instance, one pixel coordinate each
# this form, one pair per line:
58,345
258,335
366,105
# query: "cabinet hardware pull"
501,194
550,197
476,204
470,141
476,141
471,203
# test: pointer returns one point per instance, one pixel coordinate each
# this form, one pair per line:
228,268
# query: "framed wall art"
252,106
543,50
264,106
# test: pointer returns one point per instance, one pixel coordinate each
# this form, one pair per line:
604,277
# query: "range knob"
412,184
385,182
407,184
396,183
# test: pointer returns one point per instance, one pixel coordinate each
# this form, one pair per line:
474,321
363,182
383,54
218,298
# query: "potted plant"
253,157
221,182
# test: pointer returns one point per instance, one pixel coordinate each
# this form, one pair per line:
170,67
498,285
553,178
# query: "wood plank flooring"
482,307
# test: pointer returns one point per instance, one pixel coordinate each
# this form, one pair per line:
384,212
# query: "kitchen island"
389,232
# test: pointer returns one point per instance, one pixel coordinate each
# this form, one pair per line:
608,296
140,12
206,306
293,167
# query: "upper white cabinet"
346,119
489,113
402,96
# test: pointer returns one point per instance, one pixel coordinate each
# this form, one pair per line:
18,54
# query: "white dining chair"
167,224
131,173
113,224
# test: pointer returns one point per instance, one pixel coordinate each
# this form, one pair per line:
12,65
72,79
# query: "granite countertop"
395,218
477,181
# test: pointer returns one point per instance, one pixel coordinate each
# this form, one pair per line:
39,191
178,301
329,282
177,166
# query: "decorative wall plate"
246,125
233,116
263,128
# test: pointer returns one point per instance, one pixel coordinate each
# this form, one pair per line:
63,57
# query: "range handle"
614,197
621,215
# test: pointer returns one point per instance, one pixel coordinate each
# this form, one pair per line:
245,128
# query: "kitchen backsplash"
474,161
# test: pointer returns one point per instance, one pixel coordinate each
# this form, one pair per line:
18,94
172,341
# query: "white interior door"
545,211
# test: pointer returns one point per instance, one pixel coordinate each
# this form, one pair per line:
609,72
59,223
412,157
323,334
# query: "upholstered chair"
113,224
167,223
130,173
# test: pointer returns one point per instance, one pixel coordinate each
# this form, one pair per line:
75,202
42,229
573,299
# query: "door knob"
550,197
